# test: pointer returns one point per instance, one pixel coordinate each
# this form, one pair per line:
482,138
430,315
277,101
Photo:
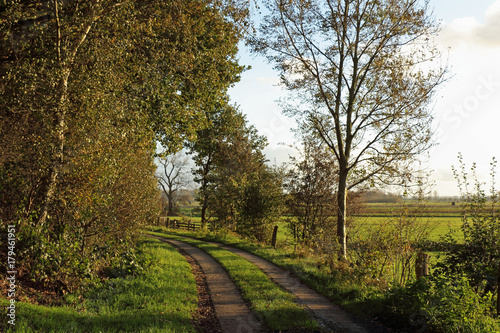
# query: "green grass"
437,226
275,306
344,288
163,299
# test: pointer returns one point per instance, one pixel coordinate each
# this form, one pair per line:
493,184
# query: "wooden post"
167,223
422,265
273,239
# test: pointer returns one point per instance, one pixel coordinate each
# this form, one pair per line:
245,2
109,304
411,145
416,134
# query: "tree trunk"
204,207
342,213
58,156
170,197
60,113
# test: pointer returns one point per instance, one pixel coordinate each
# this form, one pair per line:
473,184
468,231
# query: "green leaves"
237,189
87,88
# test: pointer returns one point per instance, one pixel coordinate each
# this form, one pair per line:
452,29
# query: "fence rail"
178,224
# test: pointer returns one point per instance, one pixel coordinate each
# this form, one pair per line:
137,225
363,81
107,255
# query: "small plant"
479,256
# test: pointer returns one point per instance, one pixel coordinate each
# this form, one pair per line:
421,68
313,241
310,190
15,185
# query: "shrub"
478,257
442,303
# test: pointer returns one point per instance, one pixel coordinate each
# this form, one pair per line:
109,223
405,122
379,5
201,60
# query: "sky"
466,107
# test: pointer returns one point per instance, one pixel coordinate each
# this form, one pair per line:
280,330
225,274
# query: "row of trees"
360,83
237,189
87,90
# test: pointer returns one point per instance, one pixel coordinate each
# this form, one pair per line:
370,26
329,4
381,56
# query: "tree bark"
204,207
170,197
58,157
60,112
342,212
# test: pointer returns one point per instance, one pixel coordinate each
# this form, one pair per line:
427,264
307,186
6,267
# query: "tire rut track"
232,313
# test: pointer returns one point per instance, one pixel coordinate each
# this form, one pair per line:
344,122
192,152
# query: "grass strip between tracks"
270,303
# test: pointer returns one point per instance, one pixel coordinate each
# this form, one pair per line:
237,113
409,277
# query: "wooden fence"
178,224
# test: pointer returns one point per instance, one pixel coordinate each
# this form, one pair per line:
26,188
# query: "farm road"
232,312
330,316
235,316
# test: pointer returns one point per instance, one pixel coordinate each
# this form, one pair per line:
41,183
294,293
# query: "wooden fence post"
273,239
167,223
422,265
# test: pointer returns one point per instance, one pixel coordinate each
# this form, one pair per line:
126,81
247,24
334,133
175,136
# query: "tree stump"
422,265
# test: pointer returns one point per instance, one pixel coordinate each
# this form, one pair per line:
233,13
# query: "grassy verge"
347,291
272,304
431,305
162,299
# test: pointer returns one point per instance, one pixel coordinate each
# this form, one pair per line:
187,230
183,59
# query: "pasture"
439,218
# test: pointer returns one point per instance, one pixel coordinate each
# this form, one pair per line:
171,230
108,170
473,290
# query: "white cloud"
468,111
273,81
469,30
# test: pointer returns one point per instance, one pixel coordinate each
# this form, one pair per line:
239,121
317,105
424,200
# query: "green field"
439,217
436,226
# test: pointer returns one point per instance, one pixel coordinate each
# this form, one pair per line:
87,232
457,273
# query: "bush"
479,256
441,303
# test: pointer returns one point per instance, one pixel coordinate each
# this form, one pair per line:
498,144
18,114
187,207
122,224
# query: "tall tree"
172,177
359,72
174,59
237,190
216,150
86,88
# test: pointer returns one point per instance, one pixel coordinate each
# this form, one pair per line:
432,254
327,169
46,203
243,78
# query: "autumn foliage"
86,91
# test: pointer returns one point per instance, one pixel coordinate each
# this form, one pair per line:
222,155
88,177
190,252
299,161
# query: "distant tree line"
378,196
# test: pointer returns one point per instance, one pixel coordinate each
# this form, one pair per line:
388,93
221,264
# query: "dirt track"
233,314
329,316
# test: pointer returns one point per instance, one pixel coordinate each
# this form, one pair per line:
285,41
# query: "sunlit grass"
163,299
437,226
275,306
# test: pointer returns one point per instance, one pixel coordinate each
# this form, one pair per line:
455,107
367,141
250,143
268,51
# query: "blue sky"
467,107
